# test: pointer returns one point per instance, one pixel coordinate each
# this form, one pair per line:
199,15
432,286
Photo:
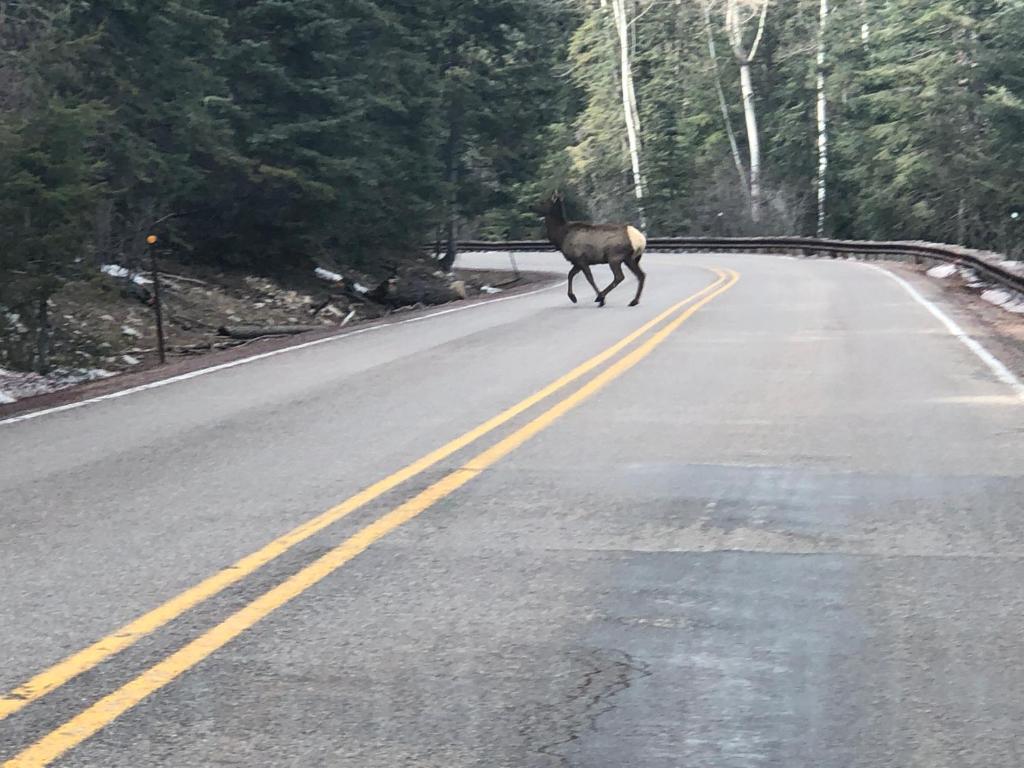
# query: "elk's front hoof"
600,301
572,298
634,302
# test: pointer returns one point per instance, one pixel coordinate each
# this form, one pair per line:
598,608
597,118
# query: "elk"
584,244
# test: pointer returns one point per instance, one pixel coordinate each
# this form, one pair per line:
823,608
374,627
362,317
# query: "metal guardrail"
989,265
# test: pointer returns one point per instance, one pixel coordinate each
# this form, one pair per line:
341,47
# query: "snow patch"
17,385
114,270
326,274
1011,302
361,288
123,273
942,271
127,330
996,296
971,278
130,360
489,289
14,319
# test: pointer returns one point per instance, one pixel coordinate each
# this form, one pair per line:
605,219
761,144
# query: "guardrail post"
157,309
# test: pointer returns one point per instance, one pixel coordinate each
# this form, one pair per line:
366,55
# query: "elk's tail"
638,241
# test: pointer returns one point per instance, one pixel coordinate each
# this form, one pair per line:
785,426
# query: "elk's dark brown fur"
584,245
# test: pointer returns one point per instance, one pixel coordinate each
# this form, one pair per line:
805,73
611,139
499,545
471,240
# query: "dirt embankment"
104,325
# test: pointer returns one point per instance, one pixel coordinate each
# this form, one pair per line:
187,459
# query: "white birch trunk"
629,76
629,105
744,58
753,140
822,119
961,222
865,25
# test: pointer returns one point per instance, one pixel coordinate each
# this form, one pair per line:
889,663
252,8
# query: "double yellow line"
107,709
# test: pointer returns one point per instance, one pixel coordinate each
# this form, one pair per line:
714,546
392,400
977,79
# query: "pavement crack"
610,673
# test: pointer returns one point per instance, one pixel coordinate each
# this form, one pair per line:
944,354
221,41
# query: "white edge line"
261,356
997,367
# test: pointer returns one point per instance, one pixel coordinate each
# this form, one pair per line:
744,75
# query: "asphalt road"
786,533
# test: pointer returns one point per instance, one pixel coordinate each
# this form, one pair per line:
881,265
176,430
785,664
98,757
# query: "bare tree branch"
713,55
760,32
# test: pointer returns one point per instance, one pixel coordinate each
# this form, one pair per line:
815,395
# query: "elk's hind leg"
633,264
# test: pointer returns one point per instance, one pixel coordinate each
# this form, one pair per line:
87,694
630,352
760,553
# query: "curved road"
781,526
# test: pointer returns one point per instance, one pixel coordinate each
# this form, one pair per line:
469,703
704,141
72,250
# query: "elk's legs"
585,268
572,273
634,267
616,279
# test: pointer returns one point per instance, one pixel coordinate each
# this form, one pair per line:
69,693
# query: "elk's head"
553,206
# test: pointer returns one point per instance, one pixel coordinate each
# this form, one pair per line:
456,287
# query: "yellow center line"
112,706
126,636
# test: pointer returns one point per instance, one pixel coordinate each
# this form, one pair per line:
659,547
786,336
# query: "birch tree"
629,110
741,171
822,116
737,14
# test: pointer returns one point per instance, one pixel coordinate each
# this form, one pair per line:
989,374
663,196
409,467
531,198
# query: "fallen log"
256,331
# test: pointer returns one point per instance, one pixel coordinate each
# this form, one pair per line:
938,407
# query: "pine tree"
501,101
930,158
152,65
48,179
331,108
